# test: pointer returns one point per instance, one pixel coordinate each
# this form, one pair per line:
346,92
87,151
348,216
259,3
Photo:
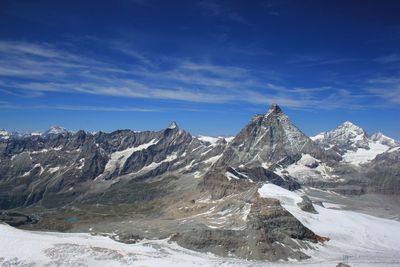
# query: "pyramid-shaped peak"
268,139
274,109
56,127
56,130
348,125
173,125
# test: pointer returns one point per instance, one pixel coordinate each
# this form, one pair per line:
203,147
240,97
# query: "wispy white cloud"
280,88
388,59
42,50
384,80
37,69
386,88
391,94
6,105
311,61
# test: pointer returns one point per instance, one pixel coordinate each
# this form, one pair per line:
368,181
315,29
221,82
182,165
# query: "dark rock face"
32,167
220,242
383,173
269,229
307,205
268,214
16,219
220,186
259,174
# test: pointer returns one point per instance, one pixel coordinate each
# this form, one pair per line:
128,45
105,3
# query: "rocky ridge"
201,190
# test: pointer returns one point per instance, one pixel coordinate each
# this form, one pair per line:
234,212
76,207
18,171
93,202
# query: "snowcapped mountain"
173,125
269,139
55,130
384,140
66,160
215,140
270,148
52,131
227,196
353,143
4,134
346,136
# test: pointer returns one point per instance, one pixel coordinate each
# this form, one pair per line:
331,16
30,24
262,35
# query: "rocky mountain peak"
383,139
377,135
173,125
349,130
274,109
4,134
351,127
268,139
55,130
347,136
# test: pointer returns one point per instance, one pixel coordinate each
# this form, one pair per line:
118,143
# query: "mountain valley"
270,193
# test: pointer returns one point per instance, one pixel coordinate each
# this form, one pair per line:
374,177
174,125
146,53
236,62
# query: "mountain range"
219,195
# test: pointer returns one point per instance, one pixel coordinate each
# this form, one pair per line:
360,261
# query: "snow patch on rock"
118,158
307,168
54,169
362,155
231,176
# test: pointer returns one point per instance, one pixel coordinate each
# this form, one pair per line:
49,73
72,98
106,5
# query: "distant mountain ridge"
354,144
53,130
202,191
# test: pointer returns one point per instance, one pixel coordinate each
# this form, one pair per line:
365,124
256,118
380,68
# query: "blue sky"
209,65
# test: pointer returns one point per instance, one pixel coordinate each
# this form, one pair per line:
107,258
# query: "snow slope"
361,239
118,158
209,139
56,130
362,155
353,143
383,139
214,140
306,169
345,136
25,248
